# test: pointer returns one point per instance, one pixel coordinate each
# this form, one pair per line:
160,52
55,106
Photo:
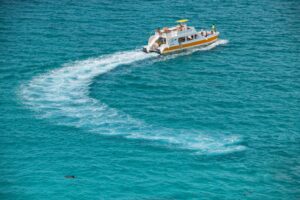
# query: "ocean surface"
79,98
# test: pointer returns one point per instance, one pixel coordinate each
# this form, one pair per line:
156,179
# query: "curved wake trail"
62,95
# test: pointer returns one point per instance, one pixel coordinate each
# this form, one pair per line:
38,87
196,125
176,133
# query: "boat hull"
198,43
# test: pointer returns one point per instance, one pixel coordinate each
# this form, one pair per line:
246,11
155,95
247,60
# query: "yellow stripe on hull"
190,45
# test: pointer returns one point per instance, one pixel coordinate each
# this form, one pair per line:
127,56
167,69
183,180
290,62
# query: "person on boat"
180,27
213,28
166,30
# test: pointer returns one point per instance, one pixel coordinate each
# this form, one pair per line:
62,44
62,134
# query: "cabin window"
182,39
161,41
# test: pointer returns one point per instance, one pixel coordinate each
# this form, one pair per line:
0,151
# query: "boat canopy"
182,20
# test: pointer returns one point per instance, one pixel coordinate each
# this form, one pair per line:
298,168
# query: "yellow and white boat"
167,40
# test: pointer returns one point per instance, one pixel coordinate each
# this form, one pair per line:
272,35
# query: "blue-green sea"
85,114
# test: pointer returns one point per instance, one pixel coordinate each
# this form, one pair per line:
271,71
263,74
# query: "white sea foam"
62,95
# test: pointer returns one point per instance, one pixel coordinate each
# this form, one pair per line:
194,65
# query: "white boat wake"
62,95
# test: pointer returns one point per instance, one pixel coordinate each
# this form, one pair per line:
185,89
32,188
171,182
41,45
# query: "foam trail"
62,95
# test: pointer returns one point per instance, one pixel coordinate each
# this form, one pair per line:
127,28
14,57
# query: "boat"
179,37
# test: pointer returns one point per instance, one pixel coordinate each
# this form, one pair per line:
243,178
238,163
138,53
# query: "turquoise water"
78,97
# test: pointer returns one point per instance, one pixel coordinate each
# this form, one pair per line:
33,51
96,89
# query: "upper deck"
176,31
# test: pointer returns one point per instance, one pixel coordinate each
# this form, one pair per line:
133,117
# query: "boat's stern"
146,49
154,43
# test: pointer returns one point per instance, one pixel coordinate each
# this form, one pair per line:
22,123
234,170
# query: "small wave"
62,95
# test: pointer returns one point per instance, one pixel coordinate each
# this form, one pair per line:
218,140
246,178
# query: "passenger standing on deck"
213,28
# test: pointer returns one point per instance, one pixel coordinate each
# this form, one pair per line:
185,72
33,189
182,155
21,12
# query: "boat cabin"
176,36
